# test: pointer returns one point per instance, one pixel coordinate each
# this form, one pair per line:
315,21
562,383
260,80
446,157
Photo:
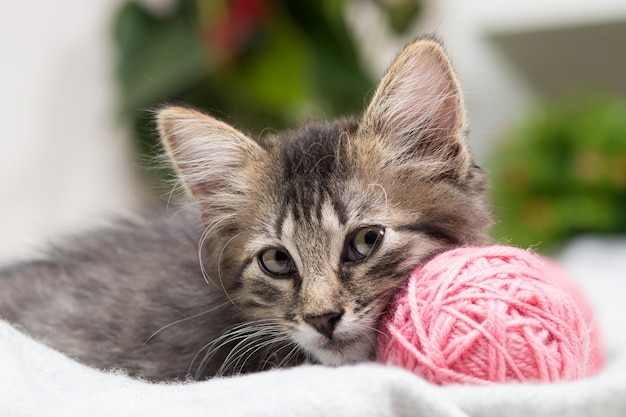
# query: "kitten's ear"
417,111
211,157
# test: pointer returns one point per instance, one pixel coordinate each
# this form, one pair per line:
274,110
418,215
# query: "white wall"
63,160
498,95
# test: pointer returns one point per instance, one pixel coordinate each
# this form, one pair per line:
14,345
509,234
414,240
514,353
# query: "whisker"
240,334
186,319
320,160
241,348
384,194
375,330
219,267
223,339
173,190
251,349
280,344
205,234
285,359
295,349
193,360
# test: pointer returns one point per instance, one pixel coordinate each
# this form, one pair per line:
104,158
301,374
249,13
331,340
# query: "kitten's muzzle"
325,323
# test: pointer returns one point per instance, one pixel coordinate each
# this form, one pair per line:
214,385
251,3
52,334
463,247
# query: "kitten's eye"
276,262
363,242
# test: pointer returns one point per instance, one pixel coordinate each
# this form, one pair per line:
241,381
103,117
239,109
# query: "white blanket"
35,380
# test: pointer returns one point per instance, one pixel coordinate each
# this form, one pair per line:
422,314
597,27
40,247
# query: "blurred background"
544,81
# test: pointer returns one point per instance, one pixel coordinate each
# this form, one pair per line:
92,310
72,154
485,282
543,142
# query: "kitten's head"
313,230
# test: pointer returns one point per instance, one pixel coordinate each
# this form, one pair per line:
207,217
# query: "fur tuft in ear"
210,156
417,111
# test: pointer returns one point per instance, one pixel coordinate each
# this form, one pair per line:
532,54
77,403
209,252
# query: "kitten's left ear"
417,112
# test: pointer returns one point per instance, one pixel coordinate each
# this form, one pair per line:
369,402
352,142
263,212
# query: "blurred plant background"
562,172
273,64
258,64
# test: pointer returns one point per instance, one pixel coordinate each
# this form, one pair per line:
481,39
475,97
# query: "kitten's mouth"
340,345
343,351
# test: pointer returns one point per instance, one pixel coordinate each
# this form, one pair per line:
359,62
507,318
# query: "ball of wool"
490,314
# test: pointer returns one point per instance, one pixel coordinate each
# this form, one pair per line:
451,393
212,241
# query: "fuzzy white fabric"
35,380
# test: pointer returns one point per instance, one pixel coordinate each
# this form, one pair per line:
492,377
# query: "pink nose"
325,323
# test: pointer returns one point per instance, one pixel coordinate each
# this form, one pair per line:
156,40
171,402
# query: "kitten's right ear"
210,156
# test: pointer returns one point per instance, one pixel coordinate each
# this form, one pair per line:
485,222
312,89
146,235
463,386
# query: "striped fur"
404,166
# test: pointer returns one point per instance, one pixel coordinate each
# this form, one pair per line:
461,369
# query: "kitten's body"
102,296
304,237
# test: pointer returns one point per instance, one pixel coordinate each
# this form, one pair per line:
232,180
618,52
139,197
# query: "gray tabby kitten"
297,243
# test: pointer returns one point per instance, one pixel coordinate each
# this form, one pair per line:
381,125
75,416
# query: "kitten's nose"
325,323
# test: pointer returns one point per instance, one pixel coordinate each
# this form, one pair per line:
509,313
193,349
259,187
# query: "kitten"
295,247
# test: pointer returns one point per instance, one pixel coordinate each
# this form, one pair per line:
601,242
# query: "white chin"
336,353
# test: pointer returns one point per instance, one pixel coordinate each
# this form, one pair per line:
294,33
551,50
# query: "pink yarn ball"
491,314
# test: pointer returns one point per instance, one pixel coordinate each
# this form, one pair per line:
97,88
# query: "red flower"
228,34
